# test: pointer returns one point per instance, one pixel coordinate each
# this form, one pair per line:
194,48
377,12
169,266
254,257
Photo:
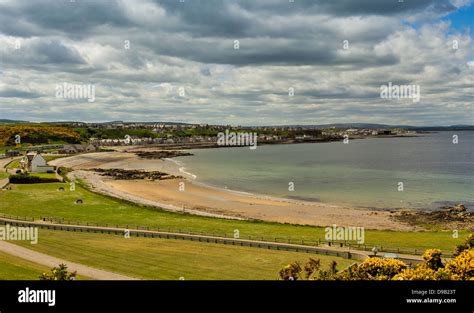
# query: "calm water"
366,173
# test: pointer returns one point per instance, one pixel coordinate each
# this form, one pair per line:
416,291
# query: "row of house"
71,149
132,140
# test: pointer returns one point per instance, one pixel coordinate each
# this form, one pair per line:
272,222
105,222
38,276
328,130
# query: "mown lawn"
44,200
44,175
14,268
169,259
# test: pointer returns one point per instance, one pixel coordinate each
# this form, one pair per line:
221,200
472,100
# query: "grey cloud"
73,18
56,52
14,93
282,44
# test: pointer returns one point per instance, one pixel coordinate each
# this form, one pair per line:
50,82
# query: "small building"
385,132
12,153
68,149
71,149
35,163
90,148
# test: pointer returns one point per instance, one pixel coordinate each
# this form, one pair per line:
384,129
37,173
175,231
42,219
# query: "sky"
255,62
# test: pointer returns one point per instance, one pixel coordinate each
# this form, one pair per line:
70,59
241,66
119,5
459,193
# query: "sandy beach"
200,199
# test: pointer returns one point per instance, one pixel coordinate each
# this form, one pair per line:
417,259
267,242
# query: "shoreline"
201,199
214,145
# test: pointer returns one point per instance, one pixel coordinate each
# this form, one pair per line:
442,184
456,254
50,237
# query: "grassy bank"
13,164
40,200
149,258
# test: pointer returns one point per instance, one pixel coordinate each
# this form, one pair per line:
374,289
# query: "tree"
59,273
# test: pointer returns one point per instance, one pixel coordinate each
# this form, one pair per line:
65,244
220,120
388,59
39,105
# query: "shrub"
462,267
417,273
380,269
59,273
432,268
27,179
291,271
432,259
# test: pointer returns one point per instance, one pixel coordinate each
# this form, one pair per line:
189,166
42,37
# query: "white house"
34,162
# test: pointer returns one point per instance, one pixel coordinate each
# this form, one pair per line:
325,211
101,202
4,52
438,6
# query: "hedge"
27,179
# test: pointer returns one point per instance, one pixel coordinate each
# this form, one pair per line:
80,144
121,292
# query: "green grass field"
44,175
168,259
44,200
4,175
13,268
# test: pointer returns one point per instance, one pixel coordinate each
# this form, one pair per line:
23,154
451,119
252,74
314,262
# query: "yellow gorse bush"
462,267
381,268
432,268
7,132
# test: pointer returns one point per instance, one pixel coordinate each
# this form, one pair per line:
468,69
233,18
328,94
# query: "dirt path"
50,261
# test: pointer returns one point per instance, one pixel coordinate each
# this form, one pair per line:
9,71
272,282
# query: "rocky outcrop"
449,217
133,174
163,154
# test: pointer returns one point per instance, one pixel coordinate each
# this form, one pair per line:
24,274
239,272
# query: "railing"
27,222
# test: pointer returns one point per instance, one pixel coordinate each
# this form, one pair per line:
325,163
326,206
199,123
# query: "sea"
428,171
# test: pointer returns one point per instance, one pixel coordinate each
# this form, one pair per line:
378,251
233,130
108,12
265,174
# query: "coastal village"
172,137
192,135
